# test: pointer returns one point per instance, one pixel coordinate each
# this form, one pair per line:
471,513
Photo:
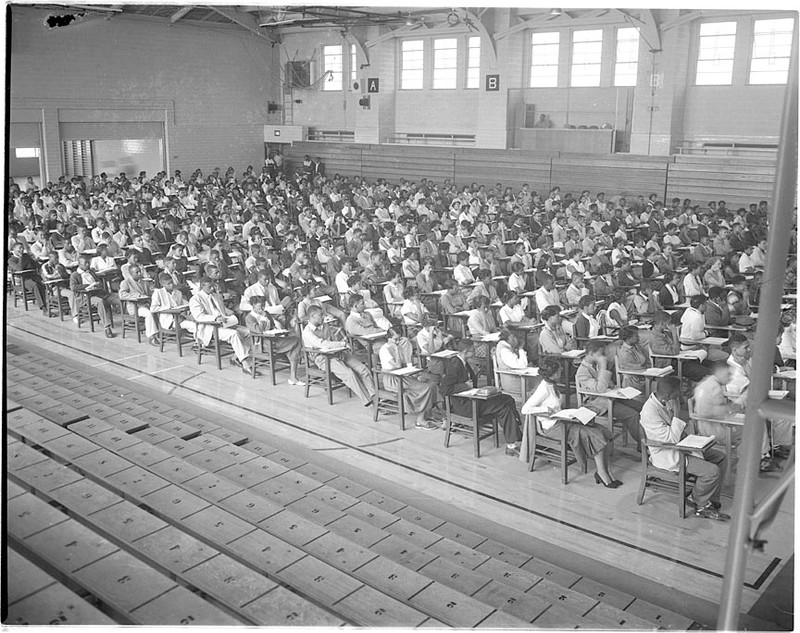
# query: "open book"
626,393
582,415
574,353
657,371
778,394
699,354
276,332
445,353
404,371
700,442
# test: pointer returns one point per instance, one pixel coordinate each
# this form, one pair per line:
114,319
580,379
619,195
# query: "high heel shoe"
613,484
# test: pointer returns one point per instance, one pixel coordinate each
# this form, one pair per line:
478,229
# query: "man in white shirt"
759,254
737,390
660,424
547,295
345,366
693,322
207,307
746,263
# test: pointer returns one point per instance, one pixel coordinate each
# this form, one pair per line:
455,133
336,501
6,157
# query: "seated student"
717,312
361,322
481,323
553,339
516,280
207,306
317,335
639,302
85,280
521,256
713,275
617,313
19,261
357,290
420,396
103,262
410,265
546,294
576,289
265,287
586,441
593,375
664,340
587,324
737,390
625,278
711,402
632,356
660,424
135,287
693,281
454,376
575,265
649,267
168,297
669,295
462,273
340,280
309,294
413,312
453,300
426,279
259,321
740,309
484,288
393,294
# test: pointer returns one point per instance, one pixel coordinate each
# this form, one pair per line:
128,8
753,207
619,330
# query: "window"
772,46
474,62
715,54
627,59
411,65
332,64
26,152
587,51
544,60
445,64
353,64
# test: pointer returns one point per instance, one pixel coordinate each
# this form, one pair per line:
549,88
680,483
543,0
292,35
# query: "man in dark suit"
717,311
22,261
161,235
83,280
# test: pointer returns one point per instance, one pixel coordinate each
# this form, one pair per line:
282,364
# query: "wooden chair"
468,427
551,447
316,377
386,401
728,425
84,310
679,483
174,333
215,347
132,321
20,291
264,355
54,300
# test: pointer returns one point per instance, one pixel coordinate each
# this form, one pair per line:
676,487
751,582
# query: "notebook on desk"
445,353
699,442
581,414
658,372
625,393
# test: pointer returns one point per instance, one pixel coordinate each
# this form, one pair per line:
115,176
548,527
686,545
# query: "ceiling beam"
408,28
647,26
180,13
486,38
362,57
245,20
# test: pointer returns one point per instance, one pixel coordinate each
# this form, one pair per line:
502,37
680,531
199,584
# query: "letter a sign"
373,84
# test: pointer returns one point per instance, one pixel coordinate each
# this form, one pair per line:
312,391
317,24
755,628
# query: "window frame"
557,65
598,64
469,67
752,58
353,65
326,83
617,63
404,70
452,71
27,153
698,48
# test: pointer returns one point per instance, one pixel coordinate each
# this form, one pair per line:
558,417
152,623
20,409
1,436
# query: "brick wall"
209,84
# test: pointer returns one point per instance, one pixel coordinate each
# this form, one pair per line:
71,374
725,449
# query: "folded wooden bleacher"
124,508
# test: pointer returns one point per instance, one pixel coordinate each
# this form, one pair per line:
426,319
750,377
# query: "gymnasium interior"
334,316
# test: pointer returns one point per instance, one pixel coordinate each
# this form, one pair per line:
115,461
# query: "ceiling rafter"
180,13
245,20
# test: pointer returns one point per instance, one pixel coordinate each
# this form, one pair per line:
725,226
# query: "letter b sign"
492,83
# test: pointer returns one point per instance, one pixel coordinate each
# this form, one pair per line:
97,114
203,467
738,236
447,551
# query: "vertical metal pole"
778,238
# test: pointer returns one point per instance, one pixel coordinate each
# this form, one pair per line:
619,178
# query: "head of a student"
716,294
551,315
451,287
411,292
484,276
548,282
721,372
595,350
481,303
629,335
509,337
577,280
511,299
316,315
207,285
550,370
588,305
625,264
740,347
698,302
357,303
667,390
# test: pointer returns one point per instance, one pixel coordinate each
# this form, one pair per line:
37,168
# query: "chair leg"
138,327
400,405
328,380
177,339
271,353
682,489
564,466
217,351
532,459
